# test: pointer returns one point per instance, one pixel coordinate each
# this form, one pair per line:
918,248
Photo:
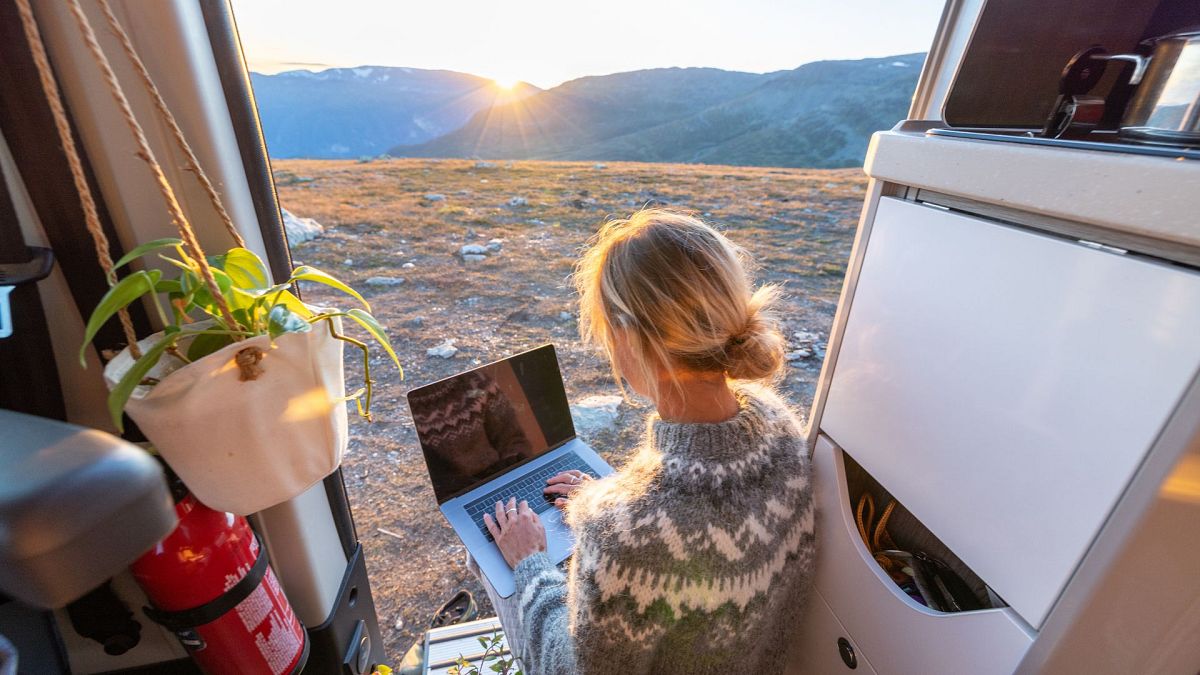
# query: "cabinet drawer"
900,635
817,651
1004,385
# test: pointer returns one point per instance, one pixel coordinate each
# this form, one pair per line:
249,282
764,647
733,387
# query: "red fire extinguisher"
210,583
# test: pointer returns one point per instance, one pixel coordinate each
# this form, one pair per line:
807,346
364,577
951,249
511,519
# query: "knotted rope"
176,132
147,155
90,216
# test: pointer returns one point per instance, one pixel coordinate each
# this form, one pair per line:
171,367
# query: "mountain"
819,115
558,122
352,112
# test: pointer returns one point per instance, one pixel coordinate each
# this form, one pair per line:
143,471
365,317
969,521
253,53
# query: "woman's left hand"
517,530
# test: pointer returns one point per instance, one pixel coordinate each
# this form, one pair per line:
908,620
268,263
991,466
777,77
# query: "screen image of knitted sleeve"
469,430
504,431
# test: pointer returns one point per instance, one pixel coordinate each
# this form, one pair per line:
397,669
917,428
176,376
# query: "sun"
505,83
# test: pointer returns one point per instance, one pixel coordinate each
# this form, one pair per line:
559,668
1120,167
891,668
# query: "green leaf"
193,283
119,296
306,273
203,345
483,642
293,303
282,320
168,286
148,247
245,269
498,666
186,267
120,394
376,330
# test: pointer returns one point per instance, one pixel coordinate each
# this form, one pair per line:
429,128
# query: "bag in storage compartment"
920,564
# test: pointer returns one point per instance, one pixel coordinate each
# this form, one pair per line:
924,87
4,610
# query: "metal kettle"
1165,107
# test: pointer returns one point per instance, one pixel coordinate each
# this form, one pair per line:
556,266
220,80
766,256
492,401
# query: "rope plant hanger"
248,360
297,403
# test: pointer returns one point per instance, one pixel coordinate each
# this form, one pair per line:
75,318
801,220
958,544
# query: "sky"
547,42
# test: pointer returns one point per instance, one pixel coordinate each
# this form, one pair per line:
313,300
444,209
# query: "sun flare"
506,83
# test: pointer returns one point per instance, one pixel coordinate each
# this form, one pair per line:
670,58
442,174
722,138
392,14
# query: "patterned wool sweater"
695,557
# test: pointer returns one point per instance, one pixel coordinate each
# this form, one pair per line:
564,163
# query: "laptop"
495,432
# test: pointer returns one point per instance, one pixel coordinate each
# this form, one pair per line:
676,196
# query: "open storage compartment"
884,624
933,576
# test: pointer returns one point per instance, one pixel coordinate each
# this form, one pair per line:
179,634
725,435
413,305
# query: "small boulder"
494,245
518,201
473,257
435,197
415,322
300,230
596,413
470,251
445,350
798,355
384,281
408,266
599,167
565,316
485,165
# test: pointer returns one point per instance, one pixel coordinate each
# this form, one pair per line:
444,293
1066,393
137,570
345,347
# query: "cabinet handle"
847,651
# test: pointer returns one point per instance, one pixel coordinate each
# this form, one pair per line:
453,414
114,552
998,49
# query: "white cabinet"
899,635
818,651
1004,385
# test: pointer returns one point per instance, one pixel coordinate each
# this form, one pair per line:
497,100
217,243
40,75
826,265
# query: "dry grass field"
409,219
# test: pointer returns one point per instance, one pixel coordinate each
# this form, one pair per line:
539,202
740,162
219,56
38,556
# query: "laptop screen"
480,423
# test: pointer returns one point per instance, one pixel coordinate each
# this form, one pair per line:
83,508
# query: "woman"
695,556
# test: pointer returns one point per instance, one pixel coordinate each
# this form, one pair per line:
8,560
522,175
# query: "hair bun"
756,353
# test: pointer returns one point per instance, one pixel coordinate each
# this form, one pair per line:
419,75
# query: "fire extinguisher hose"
184,619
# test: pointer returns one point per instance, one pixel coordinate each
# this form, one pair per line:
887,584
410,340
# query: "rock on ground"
300,230
444,350
798,355
435,197
596,413
384,281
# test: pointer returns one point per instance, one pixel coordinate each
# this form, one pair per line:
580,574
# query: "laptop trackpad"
559,538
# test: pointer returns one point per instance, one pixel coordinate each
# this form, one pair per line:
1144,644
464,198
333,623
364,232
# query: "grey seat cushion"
77,506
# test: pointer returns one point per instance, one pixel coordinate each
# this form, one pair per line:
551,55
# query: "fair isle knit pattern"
695,557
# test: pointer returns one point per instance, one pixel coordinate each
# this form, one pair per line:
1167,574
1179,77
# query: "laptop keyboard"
526,488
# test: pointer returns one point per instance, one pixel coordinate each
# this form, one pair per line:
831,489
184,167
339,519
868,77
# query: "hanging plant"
243,391
256,306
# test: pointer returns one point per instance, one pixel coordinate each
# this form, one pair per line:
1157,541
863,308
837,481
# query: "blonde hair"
679,293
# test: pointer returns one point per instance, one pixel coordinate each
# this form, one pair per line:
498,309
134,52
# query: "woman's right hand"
562,485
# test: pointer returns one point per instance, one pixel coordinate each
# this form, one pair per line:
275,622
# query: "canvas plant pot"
243,446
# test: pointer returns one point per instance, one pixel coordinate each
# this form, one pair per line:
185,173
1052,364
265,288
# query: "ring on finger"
576,480
510,510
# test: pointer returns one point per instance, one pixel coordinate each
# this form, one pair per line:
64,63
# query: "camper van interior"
1005,435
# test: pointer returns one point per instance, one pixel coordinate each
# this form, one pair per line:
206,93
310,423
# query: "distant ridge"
352,112
818,115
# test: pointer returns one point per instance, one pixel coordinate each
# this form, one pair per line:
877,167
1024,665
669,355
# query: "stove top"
1097,141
